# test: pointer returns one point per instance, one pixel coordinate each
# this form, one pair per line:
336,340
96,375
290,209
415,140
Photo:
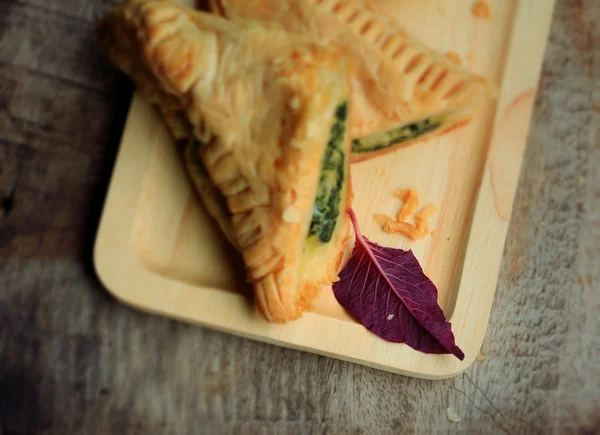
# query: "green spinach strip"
379,141
333,174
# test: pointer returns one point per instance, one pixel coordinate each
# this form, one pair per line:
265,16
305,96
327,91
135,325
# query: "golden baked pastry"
263,112
402,91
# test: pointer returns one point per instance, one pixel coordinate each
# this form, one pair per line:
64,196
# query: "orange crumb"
382,219
399,225
422,227
453,57
380,172
427,212
404,228
404,194
408,208
482,10
422,217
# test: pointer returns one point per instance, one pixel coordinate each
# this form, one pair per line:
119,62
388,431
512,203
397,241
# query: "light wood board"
157,249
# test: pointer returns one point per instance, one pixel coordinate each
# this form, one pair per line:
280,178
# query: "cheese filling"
331,184
395,136
324,236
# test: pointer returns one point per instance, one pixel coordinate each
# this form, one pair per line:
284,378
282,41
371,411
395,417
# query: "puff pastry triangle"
403,91
264,112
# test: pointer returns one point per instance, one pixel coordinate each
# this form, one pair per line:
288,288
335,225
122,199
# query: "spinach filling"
331,184
379,141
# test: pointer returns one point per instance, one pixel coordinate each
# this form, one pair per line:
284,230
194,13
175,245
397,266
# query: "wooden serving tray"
159,251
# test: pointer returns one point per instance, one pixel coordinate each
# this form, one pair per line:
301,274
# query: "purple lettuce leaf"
386,290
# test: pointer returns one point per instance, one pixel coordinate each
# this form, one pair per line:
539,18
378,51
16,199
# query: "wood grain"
72,360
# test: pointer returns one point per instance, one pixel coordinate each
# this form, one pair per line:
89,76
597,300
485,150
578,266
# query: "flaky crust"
257,99
398,79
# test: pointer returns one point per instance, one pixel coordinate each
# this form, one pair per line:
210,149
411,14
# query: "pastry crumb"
441,11
453,57
380,172
381,218
390,316
416,231
422,218
411,202
481,9
469,57
480,356
404,194
452,415
404,228
427,212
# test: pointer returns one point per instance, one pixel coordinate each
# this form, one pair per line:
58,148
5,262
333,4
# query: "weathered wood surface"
72,360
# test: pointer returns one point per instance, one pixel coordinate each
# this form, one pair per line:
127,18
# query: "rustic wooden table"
74,361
